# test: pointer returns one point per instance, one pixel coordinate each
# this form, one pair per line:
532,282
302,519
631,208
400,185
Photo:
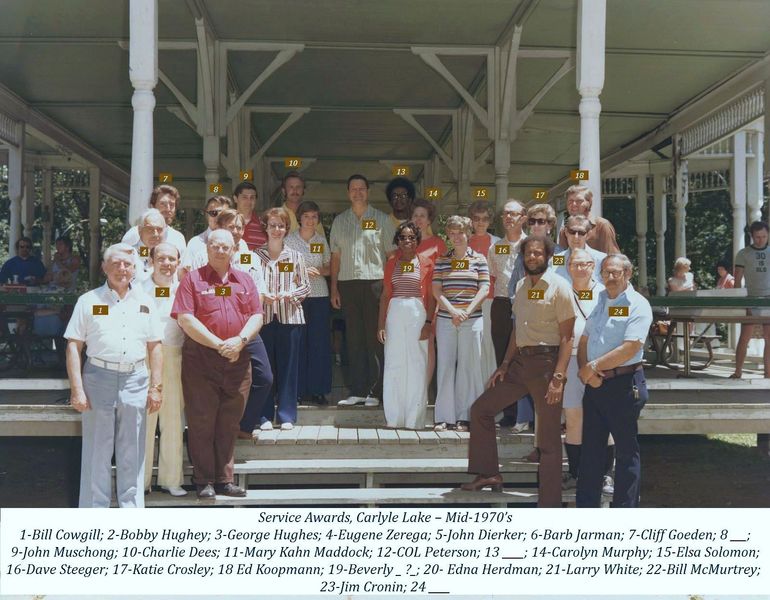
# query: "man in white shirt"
152,230
165,198
118,324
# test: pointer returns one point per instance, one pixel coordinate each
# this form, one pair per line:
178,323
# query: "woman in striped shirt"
287,286
460,284
406,309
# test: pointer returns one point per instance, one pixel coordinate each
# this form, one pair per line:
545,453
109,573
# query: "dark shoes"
230,489
319,399
494,482
206,491
533,457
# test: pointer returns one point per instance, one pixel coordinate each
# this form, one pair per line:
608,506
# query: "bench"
663,347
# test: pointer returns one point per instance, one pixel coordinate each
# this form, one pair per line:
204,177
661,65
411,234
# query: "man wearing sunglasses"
25,268
602,234
577,228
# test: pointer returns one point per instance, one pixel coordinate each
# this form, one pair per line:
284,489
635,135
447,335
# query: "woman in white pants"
406,312
460,284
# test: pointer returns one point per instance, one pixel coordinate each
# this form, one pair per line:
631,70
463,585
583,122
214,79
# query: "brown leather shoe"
495,482
230,489
534,456
244,435
206,491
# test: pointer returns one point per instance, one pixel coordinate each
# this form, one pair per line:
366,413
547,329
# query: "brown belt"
610,373
530,350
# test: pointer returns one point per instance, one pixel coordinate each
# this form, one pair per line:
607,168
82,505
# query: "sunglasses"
214,212
577,232
532,221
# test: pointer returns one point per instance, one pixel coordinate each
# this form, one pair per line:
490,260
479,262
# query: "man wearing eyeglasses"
610,361
602,234
400,194
23,268
577,228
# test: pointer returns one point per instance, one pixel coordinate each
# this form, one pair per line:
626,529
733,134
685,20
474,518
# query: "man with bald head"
218,308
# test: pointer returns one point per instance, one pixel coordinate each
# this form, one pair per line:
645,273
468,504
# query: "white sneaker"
266,426
351,401
520,427
609,486
287,426
371,401
174,490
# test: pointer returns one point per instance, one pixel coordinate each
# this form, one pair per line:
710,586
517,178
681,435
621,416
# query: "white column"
738,190
765,167
143,70
660,236
211,162
681,197
502,169
94,226
642,192
15,188
28,202
47,215
754,177
590,81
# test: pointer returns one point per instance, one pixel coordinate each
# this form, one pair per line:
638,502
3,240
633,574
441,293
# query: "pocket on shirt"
244,300
208,304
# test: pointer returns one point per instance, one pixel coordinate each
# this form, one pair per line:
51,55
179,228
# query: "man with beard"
535,363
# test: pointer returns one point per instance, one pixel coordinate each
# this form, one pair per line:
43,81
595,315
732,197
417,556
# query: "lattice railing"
8,130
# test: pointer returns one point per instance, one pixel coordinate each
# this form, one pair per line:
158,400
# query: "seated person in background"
24,268
726,281
682,280
165,198
65,266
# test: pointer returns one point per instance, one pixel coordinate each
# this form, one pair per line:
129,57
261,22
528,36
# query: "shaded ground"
678,471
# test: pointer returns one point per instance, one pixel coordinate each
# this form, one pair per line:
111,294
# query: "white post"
590,81
754,177
660,237
765,167
738,190
681,193
28,202
47,215
211,162
15,187
143,70
642,193
502,169
94,227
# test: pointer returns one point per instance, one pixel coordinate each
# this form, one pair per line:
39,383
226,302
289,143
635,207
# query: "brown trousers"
526,375
215,393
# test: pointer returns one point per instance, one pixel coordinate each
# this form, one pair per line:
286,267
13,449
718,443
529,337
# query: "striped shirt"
460,285
254,234
363,243
406,282
252,266
285,274
313,258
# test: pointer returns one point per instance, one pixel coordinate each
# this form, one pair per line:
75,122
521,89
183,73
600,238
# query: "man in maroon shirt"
245,196
219,310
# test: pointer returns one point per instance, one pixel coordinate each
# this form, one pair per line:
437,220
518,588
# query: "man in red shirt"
218,308
245,196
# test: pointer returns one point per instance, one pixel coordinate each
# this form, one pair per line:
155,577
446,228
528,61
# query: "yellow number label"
480,193
460,264
433,193
101,309
407,267
245,259
216,188
223,290
579,174
165,178
400,171
536,294
585,295
618,311
558,261
292,162
540,194
369,224
144,251
162,292
502,249
247,175
286,267
316,248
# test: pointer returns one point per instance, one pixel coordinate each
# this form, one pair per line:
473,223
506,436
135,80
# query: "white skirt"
405,385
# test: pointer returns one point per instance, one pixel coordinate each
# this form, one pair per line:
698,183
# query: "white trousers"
170,420
488,358
405,385
458,363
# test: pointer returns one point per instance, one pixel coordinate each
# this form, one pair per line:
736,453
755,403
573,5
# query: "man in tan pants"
535,363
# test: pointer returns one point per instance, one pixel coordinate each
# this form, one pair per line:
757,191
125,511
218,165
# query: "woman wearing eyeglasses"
460,285
288,285
406,309
576,229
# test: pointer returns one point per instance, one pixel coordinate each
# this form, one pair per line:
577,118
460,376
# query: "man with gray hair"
165,198
602,236
119,326
152,231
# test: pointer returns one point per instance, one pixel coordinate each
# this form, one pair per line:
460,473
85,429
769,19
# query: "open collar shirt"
362,251
280,279
319,260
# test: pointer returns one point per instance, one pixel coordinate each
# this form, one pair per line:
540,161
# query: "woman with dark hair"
315,358
65,266
725,279
406,309
423,215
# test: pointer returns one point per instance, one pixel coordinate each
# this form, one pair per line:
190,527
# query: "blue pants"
116,423
282,343
261,383
612,408
315,356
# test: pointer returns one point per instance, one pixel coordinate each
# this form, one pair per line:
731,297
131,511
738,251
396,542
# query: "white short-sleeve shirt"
172,236
164,300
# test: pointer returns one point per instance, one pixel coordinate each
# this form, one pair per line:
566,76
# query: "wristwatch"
559,376
244,339
157,386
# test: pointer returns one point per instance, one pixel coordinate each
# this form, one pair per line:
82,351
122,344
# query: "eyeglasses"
614,274
407,238
476,219
582,265
214,212
533,221
276,226
512,213
399,195
577,232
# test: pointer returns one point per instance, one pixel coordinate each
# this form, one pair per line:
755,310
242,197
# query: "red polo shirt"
254,233
222,315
